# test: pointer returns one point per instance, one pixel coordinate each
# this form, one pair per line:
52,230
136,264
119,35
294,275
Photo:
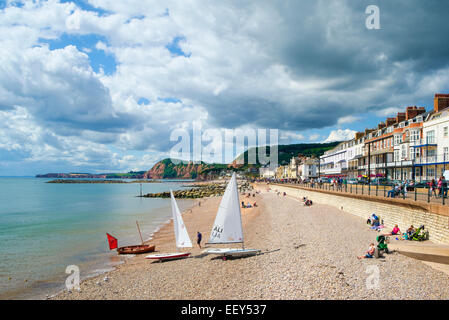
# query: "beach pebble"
321,263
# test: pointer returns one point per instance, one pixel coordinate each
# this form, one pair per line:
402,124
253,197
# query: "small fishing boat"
135,249
142,248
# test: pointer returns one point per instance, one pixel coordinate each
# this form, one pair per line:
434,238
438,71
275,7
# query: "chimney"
440,102
359,135
391,121
381,125
400,117
412,112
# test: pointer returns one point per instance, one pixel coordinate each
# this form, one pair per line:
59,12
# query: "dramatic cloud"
340,135
103,83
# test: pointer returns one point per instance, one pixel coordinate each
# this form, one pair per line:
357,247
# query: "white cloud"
247,67
348,119
314,137
340,135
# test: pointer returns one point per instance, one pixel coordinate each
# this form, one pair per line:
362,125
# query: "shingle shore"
307,253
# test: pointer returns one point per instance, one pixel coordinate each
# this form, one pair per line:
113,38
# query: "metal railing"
420,193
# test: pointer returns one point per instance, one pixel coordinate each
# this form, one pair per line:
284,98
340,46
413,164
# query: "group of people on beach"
307,202
248,205
411,234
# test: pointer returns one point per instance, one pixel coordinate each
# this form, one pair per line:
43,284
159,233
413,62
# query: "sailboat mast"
138,228
240,211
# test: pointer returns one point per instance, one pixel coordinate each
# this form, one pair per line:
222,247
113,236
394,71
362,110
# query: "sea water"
45,227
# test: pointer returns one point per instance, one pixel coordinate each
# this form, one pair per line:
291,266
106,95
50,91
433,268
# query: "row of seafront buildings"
299,168
412,146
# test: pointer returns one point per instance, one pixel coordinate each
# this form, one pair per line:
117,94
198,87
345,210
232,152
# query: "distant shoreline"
101,181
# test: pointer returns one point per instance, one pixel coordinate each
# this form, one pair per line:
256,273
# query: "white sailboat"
228,224
181,235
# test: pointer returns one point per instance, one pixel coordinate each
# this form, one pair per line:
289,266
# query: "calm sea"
45,227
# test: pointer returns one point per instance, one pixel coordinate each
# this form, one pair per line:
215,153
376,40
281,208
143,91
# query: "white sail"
182,237
228,222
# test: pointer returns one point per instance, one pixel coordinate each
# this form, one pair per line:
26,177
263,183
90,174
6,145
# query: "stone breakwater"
199,191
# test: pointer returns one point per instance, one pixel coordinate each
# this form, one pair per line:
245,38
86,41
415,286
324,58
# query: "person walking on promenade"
404,188
433,188
199,236
440,186
444,186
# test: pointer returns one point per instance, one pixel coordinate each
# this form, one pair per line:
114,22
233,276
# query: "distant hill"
166,169
128,175
286,152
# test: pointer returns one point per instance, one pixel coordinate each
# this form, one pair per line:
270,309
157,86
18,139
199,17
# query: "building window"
431,136
404,152
445,132
446,153
414,136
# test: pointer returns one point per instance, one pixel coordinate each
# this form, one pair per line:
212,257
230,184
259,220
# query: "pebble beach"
306,253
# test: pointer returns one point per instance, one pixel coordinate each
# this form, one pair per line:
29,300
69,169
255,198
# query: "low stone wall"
404,214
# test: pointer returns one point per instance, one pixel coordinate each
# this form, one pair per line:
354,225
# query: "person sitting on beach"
396,231
410,232
369,253
374,219
308,203
284,194
255,204
243,204
248,205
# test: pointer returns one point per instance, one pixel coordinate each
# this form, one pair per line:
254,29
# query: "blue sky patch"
86,6
143,101
169,100
98,58
174,48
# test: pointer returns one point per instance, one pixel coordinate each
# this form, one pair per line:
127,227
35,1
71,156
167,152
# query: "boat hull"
168,256
232,252
138,249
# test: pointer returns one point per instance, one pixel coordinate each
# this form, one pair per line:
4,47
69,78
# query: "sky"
100,85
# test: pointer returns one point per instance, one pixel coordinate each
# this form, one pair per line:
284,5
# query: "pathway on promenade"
422,194
308,253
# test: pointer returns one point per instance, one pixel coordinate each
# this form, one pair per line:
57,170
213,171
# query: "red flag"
113,243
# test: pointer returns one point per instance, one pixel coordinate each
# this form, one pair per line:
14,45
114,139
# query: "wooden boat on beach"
135,249
141,248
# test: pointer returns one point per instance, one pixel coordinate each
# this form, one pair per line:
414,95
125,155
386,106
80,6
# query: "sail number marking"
216,233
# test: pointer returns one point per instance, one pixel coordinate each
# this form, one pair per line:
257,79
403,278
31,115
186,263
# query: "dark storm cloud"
328,41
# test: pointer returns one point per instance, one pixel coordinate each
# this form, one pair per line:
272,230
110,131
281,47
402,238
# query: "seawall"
404,213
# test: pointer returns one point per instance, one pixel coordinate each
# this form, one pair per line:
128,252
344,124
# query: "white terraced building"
412,146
